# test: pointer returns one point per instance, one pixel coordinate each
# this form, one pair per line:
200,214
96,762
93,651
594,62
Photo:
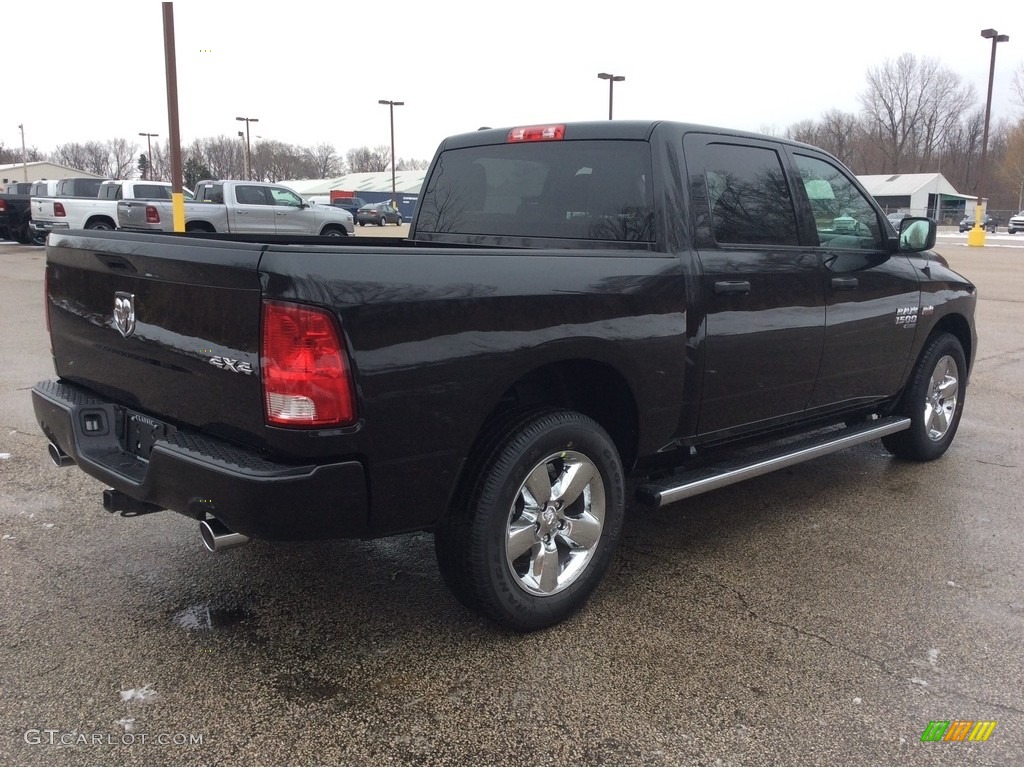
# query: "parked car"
1016,223
896,218
967,222
377,213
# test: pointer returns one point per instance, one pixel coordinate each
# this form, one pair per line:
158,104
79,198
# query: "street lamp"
976,237
248,151
391,110
612,80
149,154
24,163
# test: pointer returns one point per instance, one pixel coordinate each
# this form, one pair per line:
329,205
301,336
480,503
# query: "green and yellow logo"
958,730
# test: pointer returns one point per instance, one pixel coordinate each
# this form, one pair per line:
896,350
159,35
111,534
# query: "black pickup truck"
16,212
575,305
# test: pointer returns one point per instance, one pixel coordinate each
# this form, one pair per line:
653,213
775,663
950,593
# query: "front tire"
934,401
536,521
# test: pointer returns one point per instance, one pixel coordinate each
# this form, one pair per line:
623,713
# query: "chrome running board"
697,481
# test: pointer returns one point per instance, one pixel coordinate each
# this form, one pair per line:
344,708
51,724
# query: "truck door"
291,215
253,210
764,312
872,296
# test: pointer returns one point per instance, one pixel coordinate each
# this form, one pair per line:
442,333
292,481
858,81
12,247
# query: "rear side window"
152,192
584,190
749,196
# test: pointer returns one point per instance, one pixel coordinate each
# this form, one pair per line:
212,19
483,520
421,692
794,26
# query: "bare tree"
1012,167
909,107
359,160
411,165
324,160
1017,88
121,158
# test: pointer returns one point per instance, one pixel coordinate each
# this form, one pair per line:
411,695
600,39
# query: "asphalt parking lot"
821,615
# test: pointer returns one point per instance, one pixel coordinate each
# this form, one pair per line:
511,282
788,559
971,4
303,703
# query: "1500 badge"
229,364
906,316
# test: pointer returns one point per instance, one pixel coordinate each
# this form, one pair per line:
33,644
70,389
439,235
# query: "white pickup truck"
100,212
243,207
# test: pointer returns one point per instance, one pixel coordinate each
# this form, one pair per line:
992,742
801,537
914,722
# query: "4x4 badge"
124,313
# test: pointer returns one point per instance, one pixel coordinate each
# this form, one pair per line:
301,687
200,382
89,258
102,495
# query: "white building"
40,170
921,194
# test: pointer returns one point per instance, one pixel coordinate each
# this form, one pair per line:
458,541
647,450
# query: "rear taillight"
306,379
536,133
152,215
3,206
58,209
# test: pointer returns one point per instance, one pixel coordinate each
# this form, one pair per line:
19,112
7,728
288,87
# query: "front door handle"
844,283
732,287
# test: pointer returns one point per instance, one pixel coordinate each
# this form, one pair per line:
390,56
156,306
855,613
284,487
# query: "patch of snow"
856,700
8,537
950,583
47,525
128,723
4,456
919,681
145,694
933,656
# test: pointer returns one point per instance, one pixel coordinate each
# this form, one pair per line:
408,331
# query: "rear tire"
934,401
101,224
536,520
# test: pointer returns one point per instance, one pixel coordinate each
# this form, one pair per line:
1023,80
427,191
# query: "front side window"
584,190
842,214
749,196
282,196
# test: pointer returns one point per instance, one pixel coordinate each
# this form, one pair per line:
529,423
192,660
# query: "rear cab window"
591,190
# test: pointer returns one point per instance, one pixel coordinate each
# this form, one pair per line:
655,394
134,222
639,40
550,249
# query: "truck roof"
635,130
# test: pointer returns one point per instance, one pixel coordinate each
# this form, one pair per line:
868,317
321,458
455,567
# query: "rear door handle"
844,283
732,287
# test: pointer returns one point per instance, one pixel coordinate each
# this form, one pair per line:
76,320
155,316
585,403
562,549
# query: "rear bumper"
45,227
199,476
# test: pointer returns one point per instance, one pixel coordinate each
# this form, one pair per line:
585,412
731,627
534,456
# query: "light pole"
248,151
612,80
149,154
24,163
976,237
391,110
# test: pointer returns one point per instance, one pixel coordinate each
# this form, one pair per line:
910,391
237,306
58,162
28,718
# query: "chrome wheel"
933,400
555,523
941,401
534,523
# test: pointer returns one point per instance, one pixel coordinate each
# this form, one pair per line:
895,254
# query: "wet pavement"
821,615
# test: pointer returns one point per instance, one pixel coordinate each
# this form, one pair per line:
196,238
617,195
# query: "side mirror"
917,234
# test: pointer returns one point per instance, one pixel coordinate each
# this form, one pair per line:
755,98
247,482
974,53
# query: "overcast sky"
313,71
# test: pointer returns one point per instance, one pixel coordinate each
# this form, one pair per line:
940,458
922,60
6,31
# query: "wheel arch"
100,217
591,387
957,325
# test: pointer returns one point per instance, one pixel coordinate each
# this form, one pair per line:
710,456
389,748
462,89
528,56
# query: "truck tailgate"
132,214
169,327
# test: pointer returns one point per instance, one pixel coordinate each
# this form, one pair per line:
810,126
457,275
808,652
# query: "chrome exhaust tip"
218,537
58,457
